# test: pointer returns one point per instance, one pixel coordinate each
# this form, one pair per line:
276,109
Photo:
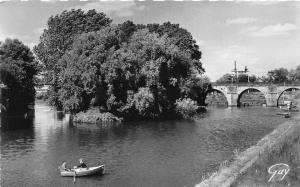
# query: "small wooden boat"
81,172
285,114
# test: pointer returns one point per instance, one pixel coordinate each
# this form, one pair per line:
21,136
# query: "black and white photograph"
149,93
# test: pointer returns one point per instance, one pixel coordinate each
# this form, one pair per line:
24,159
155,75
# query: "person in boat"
81,164
64,166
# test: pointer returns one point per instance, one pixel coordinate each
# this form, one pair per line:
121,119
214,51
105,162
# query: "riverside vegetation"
132,71
102,71
17,70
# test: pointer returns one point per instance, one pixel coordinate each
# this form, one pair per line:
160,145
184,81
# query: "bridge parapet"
272,92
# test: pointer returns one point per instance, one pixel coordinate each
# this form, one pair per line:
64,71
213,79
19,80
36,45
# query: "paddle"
74,176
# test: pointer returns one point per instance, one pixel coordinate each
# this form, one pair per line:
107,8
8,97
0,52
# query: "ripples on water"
168,153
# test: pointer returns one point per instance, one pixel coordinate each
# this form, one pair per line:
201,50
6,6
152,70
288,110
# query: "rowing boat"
285,114
80,172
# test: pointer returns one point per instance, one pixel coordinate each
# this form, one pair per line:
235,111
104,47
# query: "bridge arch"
220,92
286,89
240,94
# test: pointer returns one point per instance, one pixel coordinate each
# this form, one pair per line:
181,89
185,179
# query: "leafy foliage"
123,68
294,74
17,71
278,75
196,88
144,102
58,37
186,107
242,78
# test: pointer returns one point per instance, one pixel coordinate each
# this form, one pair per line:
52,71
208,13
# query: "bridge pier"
271,99
232,99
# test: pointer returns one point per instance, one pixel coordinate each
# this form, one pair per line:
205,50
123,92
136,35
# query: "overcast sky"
260,35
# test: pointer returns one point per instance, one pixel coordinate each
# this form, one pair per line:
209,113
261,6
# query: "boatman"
64,166
81,164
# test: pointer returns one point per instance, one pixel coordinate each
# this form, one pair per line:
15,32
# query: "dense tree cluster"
58,37
126,69
280,75
242,78
17,71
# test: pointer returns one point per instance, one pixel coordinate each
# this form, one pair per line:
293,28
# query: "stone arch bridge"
272,92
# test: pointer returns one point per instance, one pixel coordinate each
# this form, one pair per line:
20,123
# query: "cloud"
30,45
237,52
120,8
242,54
222,60
274,30
39,30
260,2
4,35
244,20
200,43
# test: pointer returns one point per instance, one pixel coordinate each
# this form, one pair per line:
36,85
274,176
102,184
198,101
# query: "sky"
262,35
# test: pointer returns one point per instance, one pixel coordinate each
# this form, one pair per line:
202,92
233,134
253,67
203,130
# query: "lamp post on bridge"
236,71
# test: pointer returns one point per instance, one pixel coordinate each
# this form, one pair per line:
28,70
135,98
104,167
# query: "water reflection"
166,153
15,122
15,141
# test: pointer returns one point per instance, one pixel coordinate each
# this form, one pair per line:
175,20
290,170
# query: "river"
166,153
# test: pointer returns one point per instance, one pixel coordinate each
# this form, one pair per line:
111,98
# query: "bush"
144,102
186,107
93,115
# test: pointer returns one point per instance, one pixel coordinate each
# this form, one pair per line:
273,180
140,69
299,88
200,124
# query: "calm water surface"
168,153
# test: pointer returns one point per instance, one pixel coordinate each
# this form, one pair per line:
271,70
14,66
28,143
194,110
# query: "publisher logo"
278,171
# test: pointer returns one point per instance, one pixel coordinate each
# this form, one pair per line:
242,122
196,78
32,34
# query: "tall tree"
17,70
83,69
144,73
59,35
181,37
126,30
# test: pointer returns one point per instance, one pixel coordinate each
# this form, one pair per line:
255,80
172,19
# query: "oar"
74,176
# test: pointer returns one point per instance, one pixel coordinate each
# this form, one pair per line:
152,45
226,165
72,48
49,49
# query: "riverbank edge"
227,175
93,116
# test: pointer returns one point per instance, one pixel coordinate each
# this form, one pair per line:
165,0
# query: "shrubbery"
94,115
186,107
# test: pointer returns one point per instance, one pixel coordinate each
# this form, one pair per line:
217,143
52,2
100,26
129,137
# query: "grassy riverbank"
273,144
287,151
